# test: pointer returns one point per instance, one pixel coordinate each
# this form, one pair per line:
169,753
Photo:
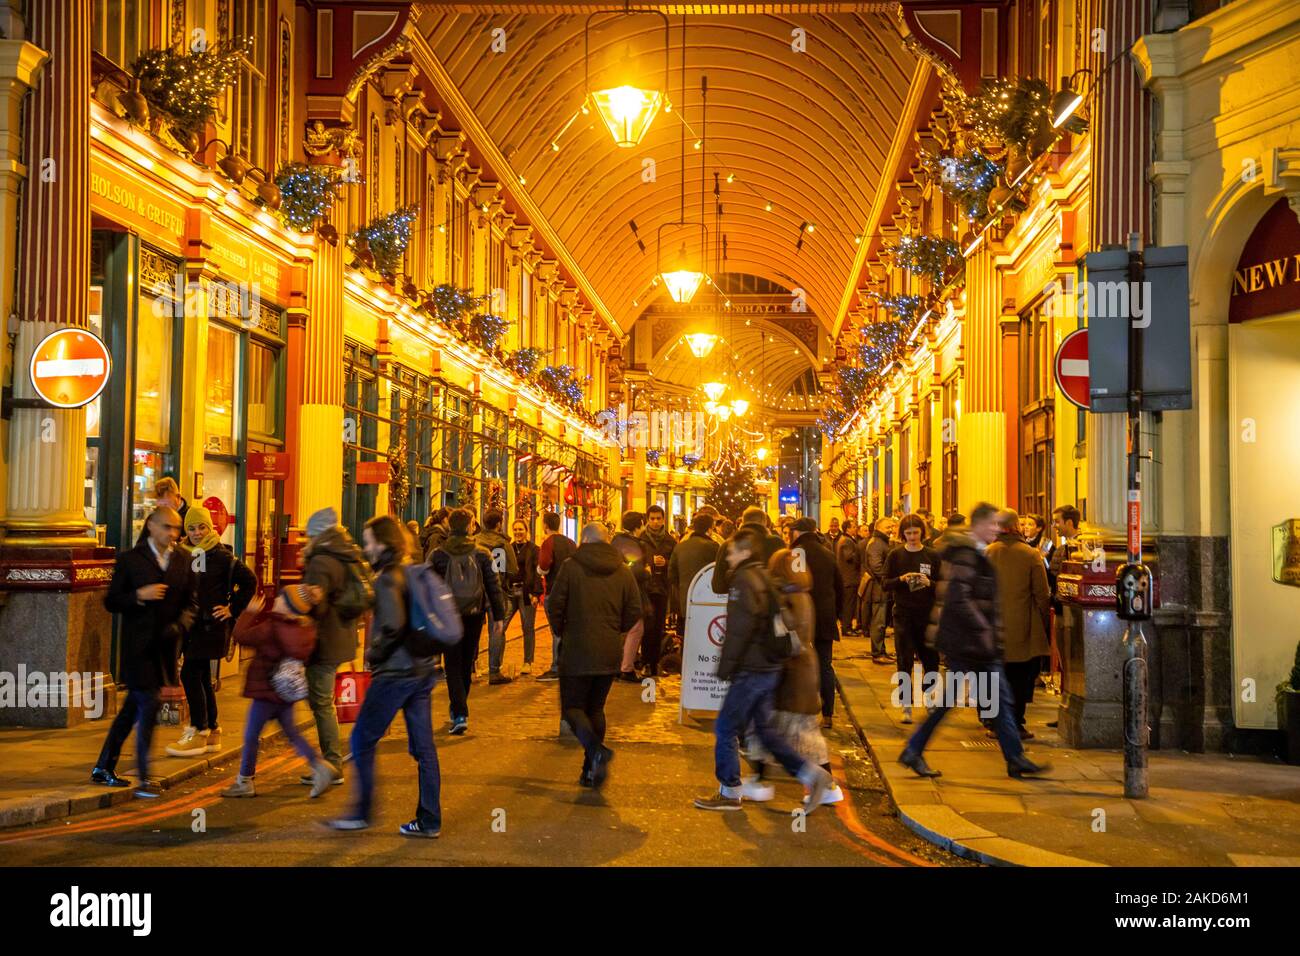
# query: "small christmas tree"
732,487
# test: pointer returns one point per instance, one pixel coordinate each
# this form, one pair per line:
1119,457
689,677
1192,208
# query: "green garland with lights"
966,179
486,331
1011,112
524,362
306,193
183,84
384,240
449,305
929,257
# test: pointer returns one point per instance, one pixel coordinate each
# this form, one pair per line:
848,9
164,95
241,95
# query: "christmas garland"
486,330
449,305
183,84
1011,112
383,241
927,256
905,308
652,456
558,382
966,180
306,193
524,362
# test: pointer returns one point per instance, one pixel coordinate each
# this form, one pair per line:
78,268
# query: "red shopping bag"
349,691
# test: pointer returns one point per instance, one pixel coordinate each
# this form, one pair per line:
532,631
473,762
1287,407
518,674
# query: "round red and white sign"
70,367
1071,368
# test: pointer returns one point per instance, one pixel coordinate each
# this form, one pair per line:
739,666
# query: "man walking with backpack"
466,567
336,566
753,657
506,567
405,635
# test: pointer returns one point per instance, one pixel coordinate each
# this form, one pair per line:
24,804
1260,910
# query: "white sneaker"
526,669
192,743
833,794
752,788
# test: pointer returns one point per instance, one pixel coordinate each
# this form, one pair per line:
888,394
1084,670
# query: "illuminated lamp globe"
701,343
740,406
723,412
683,282
711,407
714,390
761,454
627,112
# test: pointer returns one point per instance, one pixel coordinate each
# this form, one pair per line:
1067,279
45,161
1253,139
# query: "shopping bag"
349,691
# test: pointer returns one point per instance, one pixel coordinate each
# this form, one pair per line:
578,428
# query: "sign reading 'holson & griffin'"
1267,278
70,367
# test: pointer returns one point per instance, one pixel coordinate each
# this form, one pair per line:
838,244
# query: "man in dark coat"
827,592
659,545
595,601
966,627
153,588
748,662
874,597
693,553
756,519
848,560
507,566
636,555
332,557
555,549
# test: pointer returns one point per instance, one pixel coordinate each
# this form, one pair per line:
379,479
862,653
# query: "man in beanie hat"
335,565
225,586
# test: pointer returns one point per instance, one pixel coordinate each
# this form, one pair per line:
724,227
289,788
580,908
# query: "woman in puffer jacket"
285,633
797,708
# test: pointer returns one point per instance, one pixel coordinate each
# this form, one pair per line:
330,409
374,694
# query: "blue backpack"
434,620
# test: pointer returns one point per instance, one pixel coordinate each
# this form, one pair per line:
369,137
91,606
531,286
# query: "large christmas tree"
732,489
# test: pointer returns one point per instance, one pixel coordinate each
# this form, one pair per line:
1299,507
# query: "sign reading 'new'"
1267,278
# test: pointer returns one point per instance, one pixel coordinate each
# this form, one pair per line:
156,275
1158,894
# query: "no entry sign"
220,516
1071,368
70,367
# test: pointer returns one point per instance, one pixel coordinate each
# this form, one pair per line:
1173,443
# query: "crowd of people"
972,598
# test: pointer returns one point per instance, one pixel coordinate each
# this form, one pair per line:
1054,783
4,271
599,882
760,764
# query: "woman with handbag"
283,640
225,586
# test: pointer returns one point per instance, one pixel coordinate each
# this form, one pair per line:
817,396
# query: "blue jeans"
259,715
139,709
386,696
1004,722
749,701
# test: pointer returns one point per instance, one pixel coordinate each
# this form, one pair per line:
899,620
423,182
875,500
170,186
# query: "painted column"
320,416
47,447
53,619
981,426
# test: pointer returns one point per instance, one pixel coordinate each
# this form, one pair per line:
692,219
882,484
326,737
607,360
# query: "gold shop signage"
1267,278
151,215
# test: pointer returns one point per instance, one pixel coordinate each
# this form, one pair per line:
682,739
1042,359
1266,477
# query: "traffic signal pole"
1133,590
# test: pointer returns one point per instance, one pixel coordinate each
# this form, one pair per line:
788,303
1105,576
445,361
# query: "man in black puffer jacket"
965,626
153,589
754,671
754,518
595,602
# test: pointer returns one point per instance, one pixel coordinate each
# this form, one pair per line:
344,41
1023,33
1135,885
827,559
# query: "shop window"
925,434
951,412
889,480
90,501
455,418
1037,419
263,389
249,97
361,421
220,407
493,456
153,370
121,29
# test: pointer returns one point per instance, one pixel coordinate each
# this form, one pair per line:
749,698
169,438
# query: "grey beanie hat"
321,522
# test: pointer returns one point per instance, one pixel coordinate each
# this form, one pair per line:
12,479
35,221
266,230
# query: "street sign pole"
1133,590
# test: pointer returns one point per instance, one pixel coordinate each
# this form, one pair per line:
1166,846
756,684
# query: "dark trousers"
139,710
849,610
1021,676
458,665
653,639
196,678
909,644
826,671
582,704
386,696
1004,722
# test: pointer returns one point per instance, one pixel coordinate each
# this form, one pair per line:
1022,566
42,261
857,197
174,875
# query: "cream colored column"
981,427
47,447
19,63
320,418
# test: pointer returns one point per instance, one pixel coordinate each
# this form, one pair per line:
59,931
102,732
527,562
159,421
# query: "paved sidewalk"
1203,809
45,772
